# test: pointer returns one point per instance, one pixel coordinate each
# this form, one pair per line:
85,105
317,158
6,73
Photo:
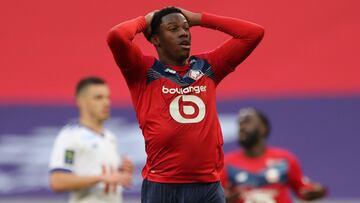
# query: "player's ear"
155,40
79,101
263,130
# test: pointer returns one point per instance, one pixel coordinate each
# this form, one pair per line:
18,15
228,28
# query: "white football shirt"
84,152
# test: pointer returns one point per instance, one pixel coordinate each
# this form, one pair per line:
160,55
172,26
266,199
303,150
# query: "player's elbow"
258,33
115,36
254,36
56,187
56,183
111,37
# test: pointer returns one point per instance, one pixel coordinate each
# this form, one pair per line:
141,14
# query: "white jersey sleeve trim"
65,150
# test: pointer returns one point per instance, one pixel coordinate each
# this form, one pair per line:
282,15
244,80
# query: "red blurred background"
310,47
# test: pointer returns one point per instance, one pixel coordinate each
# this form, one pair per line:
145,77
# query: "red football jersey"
266,179
176,106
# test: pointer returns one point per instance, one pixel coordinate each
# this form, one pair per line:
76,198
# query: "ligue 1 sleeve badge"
69,156
195,74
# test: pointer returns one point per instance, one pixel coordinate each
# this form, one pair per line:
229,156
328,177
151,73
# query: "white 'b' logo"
190,109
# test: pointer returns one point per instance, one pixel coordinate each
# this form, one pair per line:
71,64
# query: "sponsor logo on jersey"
186,90
187,109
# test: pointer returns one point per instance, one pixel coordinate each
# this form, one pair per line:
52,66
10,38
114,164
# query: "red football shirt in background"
176,106
266,179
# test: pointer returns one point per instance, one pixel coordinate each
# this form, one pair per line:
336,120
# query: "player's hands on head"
148,19
193,18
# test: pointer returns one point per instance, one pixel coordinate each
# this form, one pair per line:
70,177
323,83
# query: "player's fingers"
106,189
114,185
127,181
114,188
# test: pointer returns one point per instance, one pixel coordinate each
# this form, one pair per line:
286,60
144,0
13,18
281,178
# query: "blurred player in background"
175,100
261,173
85,159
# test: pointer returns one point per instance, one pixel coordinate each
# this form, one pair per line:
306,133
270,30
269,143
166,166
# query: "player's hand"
125,179
148,19
117,178
193,18
127,166
233,193
316,191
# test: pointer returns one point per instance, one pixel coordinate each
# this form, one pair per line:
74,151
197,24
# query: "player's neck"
171,62
256,151
92,124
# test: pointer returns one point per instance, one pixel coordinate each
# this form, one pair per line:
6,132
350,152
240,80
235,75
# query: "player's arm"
64,181
245,37
65,156
232,193
127,54
302,186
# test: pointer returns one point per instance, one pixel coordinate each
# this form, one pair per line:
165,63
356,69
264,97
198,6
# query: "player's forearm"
61,182
239,29
126,31
246,36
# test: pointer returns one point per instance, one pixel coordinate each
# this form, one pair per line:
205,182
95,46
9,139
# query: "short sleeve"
64,152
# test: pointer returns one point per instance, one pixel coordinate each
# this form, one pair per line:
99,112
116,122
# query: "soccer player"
261,173
84,159
174,98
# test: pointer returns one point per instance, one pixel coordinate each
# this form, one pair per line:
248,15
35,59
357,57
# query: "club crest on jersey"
195,74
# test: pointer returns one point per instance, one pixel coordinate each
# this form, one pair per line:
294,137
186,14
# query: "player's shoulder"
281,152
233,155
149,61
203,56
110,135
70,131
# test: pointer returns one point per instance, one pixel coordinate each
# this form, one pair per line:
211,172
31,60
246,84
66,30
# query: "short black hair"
157,17
85,82
265,120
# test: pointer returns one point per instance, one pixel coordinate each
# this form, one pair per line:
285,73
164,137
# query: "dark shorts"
153,192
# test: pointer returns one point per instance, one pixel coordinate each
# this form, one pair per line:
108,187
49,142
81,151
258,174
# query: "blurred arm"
304,188
232,193
62,181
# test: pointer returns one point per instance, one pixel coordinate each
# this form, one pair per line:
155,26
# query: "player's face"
174,37
96,101
249,127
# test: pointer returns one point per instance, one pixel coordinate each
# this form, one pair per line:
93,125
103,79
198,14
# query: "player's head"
254,127
93,98
170,34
